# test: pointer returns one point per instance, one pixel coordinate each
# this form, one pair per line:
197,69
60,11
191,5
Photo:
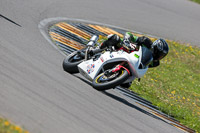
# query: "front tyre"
103,82
71,62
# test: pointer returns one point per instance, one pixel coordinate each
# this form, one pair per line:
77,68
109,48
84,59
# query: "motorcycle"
108,68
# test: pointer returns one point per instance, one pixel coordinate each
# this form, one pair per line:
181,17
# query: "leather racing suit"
127,44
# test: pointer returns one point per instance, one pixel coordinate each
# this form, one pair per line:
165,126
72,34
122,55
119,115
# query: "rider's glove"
128,45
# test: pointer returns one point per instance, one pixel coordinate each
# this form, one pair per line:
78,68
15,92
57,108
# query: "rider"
159,47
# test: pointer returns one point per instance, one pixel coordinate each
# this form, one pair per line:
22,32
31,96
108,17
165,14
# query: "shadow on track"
122,100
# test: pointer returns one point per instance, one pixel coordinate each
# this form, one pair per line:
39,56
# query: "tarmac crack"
10,20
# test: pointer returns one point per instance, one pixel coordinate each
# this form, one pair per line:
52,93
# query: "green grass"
174,86
7,127
197,1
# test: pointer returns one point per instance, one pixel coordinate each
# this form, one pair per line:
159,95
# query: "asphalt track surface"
36,93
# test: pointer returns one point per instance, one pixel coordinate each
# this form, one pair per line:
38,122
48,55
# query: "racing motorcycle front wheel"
105,81
71,62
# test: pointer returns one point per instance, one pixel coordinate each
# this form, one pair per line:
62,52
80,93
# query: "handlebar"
93,40
95,51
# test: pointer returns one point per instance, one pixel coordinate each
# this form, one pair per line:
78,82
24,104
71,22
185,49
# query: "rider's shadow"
122,100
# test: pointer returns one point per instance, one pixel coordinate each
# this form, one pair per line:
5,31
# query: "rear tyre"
103,82
71,62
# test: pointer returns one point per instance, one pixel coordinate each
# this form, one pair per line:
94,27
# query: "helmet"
160,49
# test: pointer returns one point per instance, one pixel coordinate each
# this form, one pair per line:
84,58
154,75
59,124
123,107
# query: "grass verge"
197,1
174,86
7,127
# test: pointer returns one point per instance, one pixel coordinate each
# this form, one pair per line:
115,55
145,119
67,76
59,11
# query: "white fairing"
90,68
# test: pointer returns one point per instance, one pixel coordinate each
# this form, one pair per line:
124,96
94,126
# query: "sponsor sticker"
90,68
101,58
137,56
111,55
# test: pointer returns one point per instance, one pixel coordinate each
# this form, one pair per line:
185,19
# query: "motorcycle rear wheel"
71,62
102,82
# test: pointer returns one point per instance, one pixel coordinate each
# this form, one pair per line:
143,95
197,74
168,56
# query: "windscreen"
147,57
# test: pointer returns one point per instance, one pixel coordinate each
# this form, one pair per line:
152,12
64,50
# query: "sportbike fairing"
91,68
